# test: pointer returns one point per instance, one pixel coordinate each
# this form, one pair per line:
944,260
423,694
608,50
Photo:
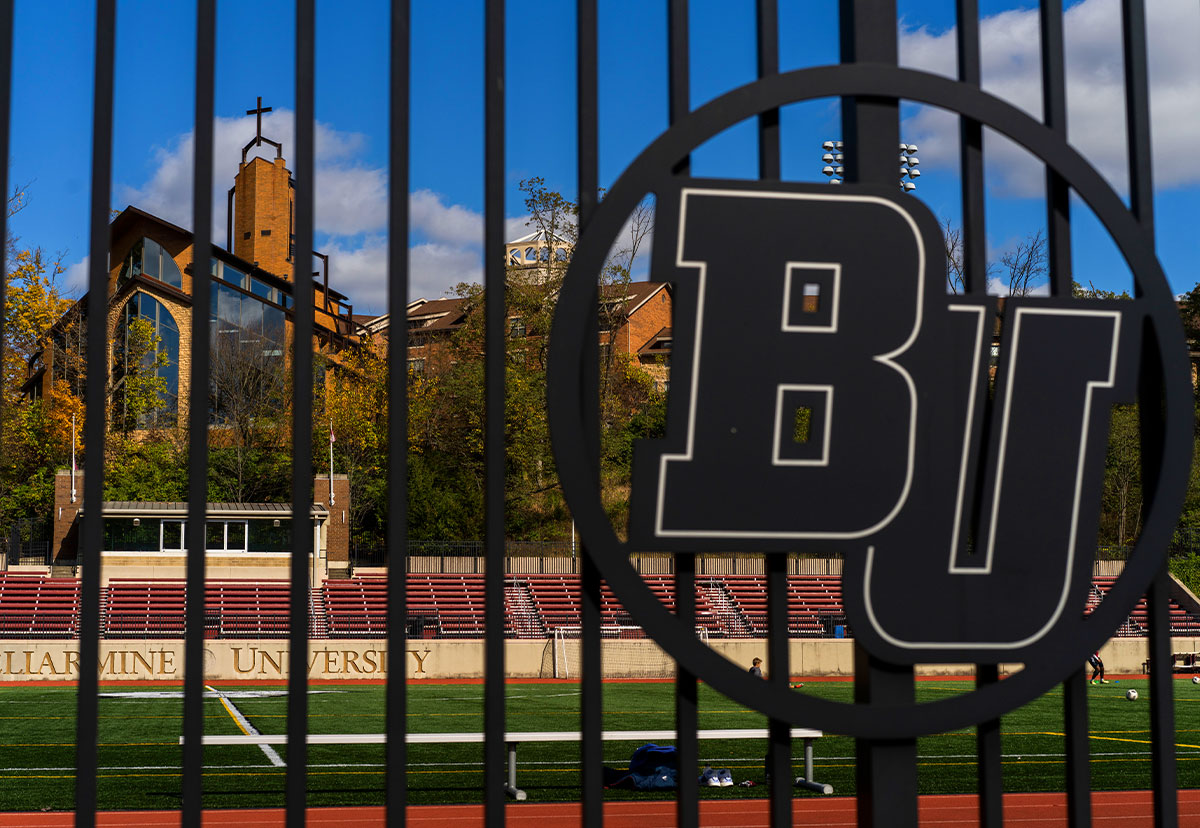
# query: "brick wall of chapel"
262,217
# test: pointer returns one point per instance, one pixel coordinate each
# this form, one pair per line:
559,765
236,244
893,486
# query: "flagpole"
331,499
72,458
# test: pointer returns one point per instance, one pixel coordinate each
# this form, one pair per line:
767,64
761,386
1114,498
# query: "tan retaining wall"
444,659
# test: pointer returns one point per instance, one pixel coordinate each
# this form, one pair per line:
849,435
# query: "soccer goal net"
625,652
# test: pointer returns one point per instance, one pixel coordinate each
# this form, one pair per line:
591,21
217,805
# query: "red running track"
1110,809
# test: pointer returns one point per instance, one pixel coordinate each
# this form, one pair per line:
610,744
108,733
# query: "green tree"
250,395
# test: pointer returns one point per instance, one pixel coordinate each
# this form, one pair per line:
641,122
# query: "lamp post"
833,158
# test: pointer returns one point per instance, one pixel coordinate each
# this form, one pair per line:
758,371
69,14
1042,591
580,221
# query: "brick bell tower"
261,202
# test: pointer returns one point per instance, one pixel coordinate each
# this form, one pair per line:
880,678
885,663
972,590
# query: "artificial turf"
139,754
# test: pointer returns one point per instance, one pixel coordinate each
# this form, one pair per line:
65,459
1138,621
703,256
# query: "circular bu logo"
828,396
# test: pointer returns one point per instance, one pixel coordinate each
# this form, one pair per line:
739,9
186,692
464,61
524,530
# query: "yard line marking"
213,693
248,729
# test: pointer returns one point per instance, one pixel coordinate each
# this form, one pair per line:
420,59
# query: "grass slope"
139,755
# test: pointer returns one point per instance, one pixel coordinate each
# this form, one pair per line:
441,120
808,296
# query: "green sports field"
140,756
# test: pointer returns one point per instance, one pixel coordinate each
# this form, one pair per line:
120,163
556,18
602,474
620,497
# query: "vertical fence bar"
6,31
779,750
678,86
6,25
588,161
1162,703
92,533
1141,200
1058,238
974,236
974,269
988,755
396,782
494,283
886,769
686,714
1054,112
202,180
767,27
1137,113
1079,782
686,721
302,401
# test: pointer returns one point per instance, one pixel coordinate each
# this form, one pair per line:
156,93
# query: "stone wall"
358,659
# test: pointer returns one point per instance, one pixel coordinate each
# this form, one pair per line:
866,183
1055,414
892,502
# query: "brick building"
251,333
642,330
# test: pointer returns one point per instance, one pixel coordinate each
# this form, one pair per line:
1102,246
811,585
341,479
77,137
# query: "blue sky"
155,69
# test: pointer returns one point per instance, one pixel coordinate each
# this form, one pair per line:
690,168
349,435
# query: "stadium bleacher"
441,606
33,606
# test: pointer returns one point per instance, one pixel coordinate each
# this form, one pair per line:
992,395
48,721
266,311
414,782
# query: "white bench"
514,738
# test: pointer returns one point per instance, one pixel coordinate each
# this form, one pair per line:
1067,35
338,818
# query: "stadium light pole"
833,159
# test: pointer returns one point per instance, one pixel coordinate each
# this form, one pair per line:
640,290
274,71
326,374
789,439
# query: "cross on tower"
258,111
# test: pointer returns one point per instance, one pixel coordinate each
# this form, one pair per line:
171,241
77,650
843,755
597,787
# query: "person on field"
1097,668
756,668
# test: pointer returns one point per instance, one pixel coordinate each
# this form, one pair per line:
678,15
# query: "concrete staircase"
725,608
526,620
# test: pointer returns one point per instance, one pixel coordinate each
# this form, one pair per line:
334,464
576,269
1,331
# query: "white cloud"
360,272
997,286
1010,50
350,209
350,198
453,224
75,278
435,268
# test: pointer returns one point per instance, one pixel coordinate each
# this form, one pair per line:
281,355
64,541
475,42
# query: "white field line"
730,760
244,724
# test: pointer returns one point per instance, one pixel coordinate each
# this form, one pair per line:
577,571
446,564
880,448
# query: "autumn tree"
353,402
36,434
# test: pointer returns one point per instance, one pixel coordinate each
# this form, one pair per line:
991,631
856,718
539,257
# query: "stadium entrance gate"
884,718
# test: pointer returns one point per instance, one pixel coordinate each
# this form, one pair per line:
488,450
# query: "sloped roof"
634,294
653,344
537,236
136,508
442,314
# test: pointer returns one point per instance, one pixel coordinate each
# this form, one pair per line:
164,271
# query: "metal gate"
871,85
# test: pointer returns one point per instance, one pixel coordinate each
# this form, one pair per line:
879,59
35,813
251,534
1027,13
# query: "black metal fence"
26,543
887,774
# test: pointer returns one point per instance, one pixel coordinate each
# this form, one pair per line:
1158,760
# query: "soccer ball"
1131,695
1195,679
